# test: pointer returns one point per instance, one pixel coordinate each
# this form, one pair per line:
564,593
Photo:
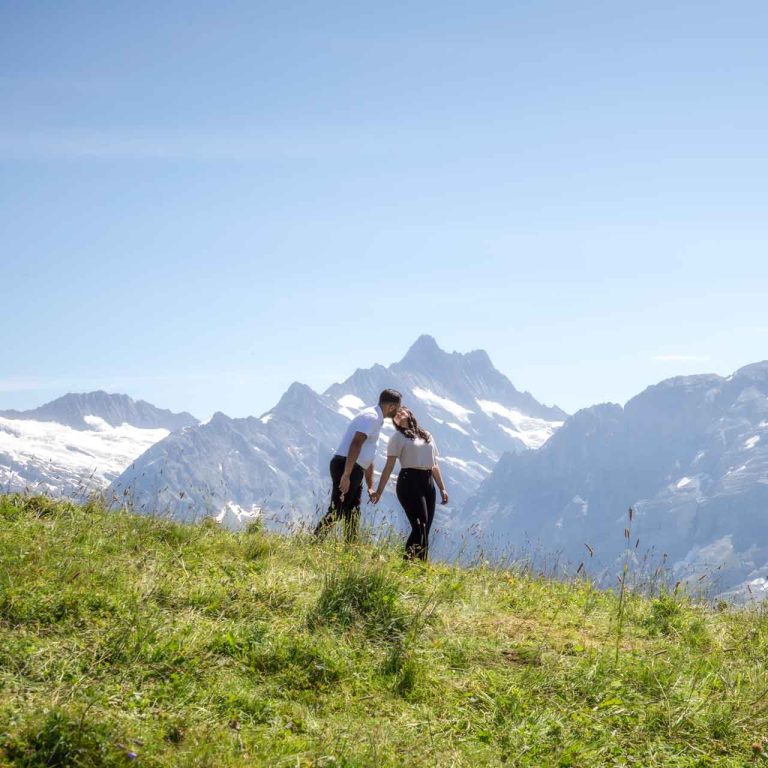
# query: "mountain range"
689,456
279,461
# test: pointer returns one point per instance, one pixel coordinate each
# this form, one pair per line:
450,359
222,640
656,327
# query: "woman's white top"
413,454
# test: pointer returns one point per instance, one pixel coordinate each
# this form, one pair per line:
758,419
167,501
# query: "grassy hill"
131,641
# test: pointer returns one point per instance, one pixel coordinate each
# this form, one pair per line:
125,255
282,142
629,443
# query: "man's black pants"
416,492
348,508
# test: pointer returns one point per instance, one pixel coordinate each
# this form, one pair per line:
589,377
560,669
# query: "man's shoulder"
366,416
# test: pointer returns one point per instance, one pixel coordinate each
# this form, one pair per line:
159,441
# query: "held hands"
444,496
374,496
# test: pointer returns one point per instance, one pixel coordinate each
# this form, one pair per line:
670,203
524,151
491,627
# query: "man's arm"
369,479
352,455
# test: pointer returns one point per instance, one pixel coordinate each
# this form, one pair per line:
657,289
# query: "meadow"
131,640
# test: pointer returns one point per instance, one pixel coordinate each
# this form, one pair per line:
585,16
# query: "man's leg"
334,510
350,506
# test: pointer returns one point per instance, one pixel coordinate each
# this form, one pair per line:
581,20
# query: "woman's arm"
438,475
369,479
384,479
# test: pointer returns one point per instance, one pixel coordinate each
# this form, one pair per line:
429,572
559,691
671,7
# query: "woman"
417,452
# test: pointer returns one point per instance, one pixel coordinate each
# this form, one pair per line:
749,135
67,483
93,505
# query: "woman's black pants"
347,508
416,492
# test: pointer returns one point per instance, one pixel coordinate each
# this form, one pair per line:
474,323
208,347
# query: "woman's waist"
425,471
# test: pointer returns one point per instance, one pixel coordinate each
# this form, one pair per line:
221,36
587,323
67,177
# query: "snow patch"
59,456
472,468
351,401
454,425
583,504
531,431
683,482
752,442
234,518
456,410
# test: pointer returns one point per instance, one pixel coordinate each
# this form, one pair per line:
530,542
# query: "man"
353,462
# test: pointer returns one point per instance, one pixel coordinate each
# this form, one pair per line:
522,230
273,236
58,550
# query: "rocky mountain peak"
115,409
424,349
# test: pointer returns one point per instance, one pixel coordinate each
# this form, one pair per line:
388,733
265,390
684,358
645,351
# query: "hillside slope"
127,638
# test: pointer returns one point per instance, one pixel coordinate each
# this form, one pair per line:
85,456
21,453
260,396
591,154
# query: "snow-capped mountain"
79,442
280,460
689,455
474,411
73,410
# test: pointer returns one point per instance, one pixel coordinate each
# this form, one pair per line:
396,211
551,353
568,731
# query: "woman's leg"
430,499
411,495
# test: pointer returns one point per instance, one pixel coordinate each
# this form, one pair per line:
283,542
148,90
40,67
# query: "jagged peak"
97,394
424,347
71,408
296,394
480,357
219,418
297,389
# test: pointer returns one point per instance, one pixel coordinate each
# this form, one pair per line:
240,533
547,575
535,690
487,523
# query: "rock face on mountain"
274,462
280,460
71,411
689,455
79,442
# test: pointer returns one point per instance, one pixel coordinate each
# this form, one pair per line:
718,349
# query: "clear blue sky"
202,202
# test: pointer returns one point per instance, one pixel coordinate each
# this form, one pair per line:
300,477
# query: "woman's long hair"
412,430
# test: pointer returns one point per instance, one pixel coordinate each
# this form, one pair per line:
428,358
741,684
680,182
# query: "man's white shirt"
369,423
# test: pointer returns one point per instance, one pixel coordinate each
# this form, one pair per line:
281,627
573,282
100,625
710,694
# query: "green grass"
131,641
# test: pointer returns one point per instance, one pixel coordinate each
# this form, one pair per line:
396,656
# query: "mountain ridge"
283,461
689,455
114,408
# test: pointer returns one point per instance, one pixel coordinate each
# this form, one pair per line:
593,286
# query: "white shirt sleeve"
395,445
435,452
365,423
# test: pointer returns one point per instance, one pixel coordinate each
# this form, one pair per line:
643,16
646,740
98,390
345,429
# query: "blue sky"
202,202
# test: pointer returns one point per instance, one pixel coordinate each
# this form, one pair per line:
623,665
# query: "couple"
417,452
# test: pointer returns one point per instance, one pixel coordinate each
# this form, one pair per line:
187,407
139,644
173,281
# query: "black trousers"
348,508
416,492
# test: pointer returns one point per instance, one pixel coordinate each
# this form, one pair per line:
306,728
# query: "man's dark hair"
390,397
